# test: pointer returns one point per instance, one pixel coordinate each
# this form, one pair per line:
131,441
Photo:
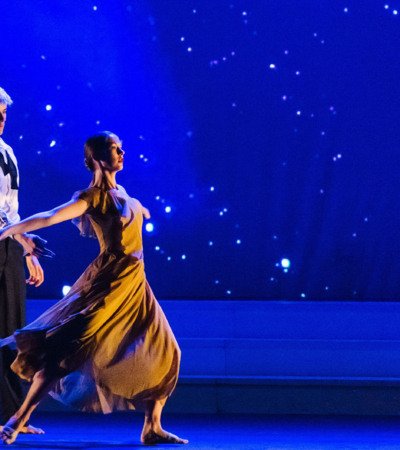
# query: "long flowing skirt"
108,336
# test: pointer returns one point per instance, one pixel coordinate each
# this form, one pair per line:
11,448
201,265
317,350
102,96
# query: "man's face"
3,117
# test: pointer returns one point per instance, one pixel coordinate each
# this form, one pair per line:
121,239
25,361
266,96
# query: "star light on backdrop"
65,289
149,227
250,133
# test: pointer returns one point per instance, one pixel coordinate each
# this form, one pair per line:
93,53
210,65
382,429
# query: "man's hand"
34,245
36,274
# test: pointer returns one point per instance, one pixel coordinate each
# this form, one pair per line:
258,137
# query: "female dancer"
107,345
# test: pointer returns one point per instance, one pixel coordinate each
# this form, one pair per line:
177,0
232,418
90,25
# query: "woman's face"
115,155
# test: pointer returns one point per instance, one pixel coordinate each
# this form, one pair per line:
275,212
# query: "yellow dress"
108,334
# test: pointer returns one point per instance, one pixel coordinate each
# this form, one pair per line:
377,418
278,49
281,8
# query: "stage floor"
212,432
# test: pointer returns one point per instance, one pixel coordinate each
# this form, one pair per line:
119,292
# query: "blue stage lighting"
285,263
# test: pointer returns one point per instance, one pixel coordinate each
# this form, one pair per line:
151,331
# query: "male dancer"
12,276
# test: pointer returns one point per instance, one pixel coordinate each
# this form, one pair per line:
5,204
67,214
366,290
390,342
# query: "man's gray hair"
5,98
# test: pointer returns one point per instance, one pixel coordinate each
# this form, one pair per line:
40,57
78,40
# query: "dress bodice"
114,218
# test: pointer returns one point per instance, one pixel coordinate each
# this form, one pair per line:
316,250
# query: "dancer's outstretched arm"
67,211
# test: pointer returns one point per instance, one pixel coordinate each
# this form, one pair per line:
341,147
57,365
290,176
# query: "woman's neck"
104,179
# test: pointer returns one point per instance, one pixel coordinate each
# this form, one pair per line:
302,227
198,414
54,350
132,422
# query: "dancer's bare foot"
30,429
8,435
151,437
11,430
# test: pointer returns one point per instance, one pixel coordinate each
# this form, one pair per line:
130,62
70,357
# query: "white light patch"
149,227
285,263
66,289
49,107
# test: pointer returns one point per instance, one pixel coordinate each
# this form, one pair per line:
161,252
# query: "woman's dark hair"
96,148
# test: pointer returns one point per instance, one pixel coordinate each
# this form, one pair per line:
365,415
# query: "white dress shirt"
8,196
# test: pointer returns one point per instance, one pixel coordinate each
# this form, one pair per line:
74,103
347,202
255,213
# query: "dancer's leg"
153,432
42,383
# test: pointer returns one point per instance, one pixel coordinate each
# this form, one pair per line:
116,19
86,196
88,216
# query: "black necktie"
9,168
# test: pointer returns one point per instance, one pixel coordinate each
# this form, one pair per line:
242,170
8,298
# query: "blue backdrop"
263,136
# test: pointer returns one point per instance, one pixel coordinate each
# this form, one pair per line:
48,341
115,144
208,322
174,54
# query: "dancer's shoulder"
121,188
88,194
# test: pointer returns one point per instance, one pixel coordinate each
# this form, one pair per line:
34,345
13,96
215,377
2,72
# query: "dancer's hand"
146,213
36,274
34,245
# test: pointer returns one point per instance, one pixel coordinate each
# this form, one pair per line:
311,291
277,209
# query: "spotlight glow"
285,263
149,227
66,289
